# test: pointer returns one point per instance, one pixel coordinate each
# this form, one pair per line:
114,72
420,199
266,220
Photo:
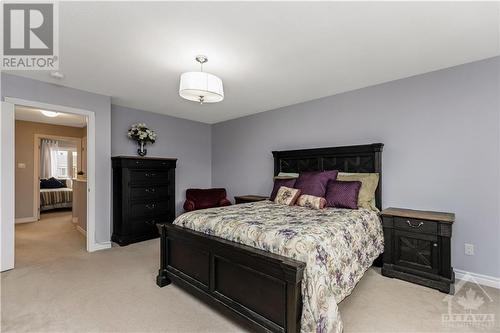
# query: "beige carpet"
58,287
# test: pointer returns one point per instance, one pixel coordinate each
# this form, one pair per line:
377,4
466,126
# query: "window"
66,163
62,164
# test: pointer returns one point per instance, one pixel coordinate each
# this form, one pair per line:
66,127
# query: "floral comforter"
337,245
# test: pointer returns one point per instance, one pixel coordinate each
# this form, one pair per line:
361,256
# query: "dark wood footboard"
262,288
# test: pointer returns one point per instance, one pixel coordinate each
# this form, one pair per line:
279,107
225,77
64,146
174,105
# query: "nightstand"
417,247
249,198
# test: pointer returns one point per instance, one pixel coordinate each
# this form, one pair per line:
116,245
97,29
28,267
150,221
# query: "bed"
55,198
279,268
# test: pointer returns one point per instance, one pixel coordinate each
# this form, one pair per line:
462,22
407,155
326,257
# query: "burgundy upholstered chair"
197,198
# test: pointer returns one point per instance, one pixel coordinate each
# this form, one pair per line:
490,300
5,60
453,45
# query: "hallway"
51,238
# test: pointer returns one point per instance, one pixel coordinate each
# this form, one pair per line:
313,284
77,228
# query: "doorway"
62,158
8,168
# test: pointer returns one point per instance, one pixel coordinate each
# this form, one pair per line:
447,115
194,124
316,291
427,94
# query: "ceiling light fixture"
50,114
200,86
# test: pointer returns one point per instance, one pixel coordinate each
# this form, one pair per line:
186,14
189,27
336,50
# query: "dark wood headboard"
360,158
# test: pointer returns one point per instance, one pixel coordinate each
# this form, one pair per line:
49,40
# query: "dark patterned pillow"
342,194
51,183
314,182
278,182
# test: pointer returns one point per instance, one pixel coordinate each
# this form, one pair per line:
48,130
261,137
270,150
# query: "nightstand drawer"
415,225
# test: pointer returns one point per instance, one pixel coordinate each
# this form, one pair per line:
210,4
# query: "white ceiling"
65,119
269,54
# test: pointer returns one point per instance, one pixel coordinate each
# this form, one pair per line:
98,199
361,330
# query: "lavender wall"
441,136
189,141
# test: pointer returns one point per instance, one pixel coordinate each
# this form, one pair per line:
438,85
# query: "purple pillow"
342,194
288,182
314,182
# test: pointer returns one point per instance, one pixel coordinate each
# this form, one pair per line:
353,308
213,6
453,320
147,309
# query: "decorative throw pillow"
314,182
51,183
342,194
287,182
287,196
310,201
369,183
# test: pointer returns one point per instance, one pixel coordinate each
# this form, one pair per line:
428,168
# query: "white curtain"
48,158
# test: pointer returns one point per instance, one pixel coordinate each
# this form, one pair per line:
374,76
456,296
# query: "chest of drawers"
143,195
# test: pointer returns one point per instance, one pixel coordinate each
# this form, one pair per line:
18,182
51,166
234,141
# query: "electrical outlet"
469,249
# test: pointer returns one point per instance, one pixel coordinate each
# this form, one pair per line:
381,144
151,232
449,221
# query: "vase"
142,151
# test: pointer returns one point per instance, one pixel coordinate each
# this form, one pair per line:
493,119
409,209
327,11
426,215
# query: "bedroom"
421,78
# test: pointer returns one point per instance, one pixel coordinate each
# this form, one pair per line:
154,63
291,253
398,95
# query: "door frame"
36,165
92,244
7,187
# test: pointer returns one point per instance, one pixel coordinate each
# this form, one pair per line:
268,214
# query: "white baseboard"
485,280
81,230
100,246
74,219
26,219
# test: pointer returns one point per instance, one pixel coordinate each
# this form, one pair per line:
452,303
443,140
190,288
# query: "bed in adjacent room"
281,268
55,194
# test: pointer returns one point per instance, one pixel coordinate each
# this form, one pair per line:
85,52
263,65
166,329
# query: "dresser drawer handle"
414,225
152,222
150,206
150,190
150,174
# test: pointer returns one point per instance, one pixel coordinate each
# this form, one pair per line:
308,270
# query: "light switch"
21,165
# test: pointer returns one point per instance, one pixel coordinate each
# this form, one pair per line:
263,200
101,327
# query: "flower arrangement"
142,134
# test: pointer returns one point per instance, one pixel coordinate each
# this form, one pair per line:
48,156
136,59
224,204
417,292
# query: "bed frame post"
377,161
294,297
162,279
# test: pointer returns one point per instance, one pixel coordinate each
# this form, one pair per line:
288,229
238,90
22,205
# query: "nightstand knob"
435,244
